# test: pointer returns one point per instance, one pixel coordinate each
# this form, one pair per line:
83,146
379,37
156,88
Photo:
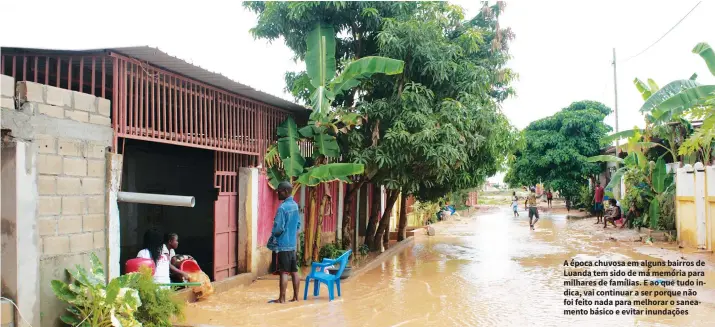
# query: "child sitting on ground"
613,213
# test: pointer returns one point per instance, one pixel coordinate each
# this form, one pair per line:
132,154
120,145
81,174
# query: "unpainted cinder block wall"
70,133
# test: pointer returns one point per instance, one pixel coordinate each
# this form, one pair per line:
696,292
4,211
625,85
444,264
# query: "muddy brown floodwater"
487,270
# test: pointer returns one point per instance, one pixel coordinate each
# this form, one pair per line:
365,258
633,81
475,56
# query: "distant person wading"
531,206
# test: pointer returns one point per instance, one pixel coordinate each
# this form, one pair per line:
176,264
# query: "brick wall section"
7,92
70,171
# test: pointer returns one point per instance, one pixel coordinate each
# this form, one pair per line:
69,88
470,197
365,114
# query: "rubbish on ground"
206,287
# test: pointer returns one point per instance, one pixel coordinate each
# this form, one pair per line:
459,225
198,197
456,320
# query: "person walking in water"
283,242
530,203
598,206
515,204
549,197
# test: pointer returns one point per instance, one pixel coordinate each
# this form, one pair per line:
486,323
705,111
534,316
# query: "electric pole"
615,92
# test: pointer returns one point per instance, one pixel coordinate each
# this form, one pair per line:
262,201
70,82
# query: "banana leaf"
641,159
654,213
320,55
616,178
604,158
326,144
643,88
275,176
706,52
669,90
288,148
364,68
659,176
620,135
330,172
653,86
682,101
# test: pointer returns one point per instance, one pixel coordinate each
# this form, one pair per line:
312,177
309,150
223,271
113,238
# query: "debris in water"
430,231
206,287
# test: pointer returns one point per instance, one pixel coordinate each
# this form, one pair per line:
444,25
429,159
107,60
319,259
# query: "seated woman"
613,213
161,254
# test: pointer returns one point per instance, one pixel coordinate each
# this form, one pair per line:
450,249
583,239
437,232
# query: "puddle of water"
487,271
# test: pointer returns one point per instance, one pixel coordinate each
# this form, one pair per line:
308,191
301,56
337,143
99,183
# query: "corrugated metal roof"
163,60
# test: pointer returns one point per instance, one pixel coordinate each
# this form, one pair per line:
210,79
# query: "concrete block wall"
69,133
70,170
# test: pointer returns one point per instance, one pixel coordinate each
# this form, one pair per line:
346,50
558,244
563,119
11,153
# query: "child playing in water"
515,204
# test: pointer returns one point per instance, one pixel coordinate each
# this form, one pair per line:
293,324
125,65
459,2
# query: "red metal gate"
226,216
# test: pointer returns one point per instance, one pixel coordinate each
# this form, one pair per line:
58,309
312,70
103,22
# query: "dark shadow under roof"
161,59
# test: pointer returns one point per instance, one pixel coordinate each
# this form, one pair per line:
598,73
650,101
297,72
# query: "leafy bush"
301,246
585,198
95,303
364,249
158,305
330,251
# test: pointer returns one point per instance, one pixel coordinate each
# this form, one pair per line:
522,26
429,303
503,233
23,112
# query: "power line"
666,33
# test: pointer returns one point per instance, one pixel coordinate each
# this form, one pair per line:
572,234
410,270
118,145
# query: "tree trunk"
384,225
402,224
325,203
310,226
374,215
348,230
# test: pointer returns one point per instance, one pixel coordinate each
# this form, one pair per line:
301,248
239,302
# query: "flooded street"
486,270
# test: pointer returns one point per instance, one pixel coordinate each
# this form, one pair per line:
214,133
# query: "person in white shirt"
158,251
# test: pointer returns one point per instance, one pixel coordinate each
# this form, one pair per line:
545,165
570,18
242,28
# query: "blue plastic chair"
318,275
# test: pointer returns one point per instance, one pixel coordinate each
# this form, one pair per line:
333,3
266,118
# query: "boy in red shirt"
598,199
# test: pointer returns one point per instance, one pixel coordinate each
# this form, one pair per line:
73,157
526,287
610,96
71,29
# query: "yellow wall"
695,197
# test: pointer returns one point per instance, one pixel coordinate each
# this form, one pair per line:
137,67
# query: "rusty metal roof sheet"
163,60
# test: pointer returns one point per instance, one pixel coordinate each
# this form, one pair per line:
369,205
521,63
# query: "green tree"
556,148
435,128
322,127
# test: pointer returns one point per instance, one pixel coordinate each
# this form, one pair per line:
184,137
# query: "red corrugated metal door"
225,224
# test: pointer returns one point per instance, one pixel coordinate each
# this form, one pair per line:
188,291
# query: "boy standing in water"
515,204
549,197
284,242
598,206
530,203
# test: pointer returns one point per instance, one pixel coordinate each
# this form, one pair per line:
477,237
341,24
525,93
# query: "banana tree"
650,181
284,160
689,97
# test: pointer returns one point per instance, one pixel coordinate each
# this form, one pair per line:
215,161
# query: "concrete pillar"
114,182
248,218
701,226
21,253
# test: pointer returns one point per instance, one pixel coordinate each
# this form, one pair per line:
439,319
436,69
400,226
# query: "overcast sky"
562,51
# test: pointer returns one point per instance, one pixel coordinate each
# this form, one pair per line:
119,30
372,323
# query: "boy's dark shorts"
598,207
533,212
284,262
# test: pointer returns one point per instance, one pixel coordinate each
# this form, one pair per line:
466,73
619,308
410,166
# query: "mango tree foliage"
557,148
437,126
357,24
320,65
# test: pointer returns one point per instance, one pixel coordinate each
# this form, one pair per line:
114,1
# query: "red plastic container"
132,265
190,266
